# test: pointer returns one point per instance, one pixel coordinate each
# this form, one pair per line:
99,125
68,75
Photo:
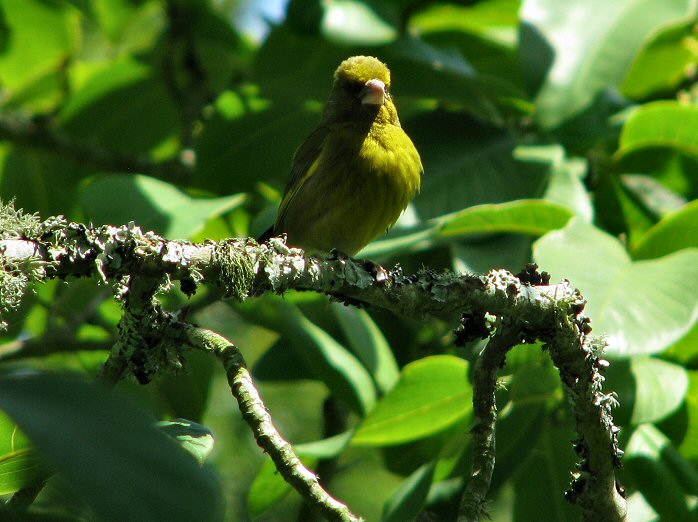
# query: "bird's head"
361,92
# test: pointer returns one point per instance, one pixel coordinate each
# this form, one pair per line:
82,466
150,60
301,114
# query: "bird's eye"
354,87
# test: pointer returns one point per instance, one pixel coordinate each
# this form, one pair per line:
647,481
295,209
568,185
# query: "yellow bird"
358,170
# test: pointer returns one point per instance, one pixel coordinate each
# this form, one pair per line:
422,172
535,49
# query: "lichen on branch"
511,308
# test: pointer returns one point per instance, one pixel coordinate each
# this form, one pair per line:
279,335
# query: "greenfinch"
356,172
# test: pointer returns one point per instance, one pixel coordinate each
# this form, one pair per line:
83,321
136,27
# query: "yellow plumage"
355,174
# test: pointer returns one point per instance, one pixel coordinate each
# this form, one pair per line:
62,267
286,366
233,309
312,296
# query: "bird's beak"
373,93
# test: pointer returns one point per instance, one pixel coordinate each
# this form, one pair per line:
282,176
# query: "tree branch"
268,438
241,267
473,502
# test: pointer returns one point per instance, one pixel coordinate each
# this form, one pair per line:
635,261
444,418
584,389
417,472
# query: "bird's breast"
359,190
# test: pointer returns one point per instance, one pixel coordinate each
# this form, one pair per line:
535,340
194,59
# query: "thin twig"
473,502
268,438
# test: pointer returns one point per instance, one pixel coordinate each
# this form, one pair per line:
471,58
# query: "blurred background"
564,133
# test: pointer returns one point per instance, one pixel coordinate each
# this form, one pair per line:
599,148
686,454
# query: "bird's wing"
305,164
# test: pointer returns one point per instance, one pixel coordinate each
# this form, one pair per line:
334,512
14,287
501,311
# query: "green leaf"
328,448
152,204
195,438
673,233
20,466
689,445
20,469
408,500
567,188
532,217
496,19
469,163
663,64
41,35
369,344
433,393
132,28
30,176
350,22
329,361
424,71
642,307
108,450
648,389
226,145
540,483
660,473
584,58
661,124
518,429
143,103
412,239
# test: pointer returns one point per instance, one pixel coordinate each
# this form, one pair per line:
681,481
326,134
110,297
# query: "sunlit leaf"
531,217
603,50
671,234
648,389
661,124
642,307
152,204
432,394
195,438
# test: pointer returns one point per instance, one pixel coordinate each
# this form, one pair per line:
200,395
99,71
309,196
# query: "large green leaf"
30,177
408,500
663,64
590,44
534,389
566,185
143,103
329,361
648,389
643,306
541,482
468,163
433,393
20,466
369,345
195,438
661,124
352,22
689,445
530,217
422,70
496,19
671,234
132,28
152,204
236,152
660,473
41,35
108,450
